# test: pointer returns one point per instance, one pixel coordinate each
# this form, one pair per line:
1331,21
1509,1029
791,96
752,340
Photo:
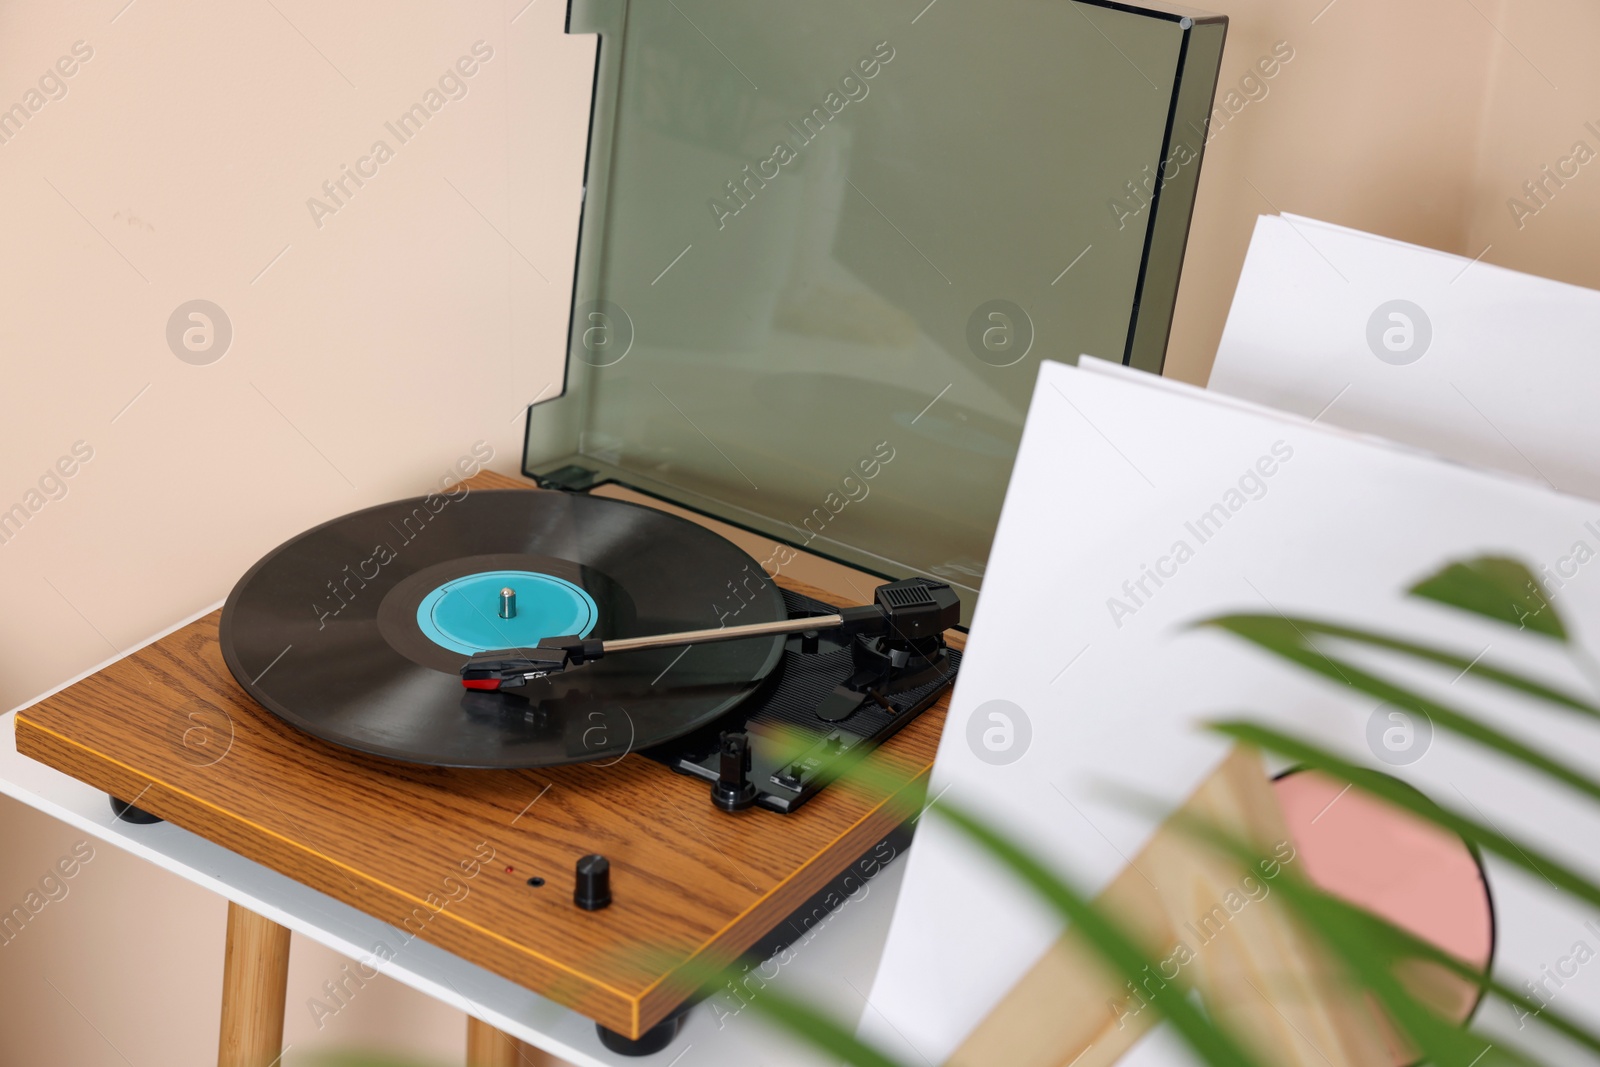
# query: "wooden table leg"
488,1047
255,981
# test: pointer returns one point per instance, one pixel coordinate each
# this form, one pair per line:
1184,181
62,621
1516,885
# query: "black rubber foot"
650,1042
128,813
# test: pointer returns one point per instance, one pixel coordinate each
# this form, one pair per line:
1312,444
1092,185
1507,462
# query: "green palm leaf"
1496,588
1279,637
1264,629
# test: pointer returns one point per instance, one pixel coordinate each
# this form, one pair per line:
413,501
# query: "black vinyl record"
345,631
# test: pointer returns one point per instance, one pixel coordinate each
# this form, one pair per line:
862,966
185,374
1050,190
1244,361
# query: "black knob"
733,790
593,889
808,642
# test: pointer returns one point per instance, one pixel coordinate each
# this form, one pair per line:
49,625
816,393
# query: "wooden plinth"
445,855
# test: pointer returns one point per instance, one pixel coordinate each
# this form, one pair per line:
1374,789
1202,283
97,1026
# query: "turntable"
580,730
586,833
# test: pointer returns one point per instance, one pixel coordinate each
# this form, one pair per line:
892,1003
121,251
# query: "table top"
441,857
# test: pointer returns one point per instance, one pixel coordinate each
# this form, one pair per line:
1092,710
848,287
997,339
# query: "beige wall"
1416,120
178,165
1531,122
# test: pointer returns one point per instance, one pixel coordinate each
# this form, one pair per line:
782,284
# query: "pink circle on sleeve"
1418,876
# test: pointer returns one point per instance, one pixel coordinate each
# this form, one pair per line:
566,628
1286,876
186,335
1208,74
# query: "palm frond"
1286,643
1497,588
1261,629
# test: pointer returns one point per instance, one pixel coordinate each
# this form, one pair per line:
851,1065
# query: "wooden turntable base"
447,855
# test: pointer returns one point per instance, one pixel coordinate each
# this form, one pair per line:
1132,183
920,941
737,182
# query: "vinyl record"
355,631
